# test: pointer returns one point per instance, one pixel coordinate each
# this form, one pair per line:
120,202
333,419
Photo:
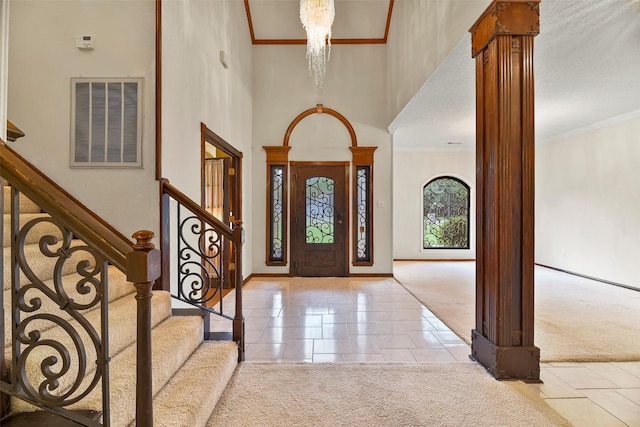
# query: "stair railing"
65,373
201,239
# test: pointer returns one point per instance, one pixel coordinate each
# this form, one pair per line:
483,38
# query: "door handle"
339,217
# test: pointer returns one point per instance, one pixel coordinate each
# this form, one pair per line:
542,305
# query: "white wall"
355,86
411,171
42,59
197,88
588,201
421,35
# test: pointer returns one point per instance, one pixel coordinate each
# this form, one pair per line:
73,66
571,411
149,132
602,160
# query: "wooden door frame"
207,136
293,241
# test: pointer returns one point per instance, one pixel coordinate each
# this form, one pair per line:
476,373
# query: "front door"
319,218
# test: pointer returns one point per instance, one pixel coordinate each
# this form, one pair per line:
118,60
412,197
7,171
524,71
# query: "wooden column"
502,45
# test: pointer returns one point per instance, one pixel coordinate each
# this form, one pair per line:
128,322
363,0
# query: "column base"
506,363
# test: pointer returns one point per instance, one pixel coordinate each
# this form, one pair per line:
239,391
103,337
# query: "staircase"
78,350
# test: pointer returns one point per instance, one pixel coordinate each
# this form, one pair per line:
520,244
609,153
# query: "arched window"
445,213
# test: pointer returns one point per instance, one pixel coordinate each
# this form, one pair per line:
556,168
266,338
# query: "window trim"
277,157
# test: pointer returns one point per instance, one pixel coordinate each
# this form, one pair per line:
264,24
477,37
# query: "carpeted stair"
189,374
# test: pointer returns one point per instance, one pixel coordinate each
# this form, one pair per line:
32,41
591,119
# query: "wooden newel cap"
143,240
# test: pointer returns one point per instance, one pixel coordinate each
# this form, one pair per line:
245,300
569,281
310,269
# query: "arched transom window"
445,210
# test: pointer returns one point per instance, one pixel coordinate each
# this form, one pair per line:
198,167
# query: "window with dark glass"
276,213
362,201
446,214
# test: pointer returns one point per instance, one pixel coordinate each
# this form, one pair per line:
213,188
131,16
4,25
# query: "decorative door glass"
320,210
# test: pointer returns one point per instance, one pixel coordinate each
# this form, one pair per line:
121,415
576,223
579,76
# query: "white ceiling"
587,67
355,19
587,70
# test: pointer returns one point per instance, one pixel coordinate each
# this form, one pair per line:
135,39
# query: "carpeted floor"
349,394
576,319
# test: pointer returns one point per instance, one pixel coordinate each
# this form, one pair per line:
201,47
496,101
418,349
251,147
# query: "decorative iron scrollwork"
320,210
199,261
59,354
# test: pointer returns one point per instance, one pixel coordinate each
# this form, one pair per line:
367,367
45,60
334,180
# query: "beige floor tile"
439,324
615,374
632,394
425,339
327,358
256,323
398,315
364,344
448,337
283,322
331,346
363,329
432,355
616,404
335,318
335,331
363,317
632,367
312,320
264,351
264,312
394,341
273,335
553,387
582,412
461,352
364,357
252,337
397,355
298,349
403,326
304,332
580,377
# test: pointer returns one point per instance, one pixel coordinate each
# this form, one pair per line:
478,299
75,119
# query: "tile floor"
319,320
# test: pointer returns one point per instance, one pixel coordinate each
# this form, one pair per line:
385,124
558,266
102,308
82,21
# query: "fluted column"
502,45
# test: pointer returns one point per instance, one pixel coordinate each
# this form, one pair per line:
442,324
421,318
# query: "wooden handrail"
198,211
61,205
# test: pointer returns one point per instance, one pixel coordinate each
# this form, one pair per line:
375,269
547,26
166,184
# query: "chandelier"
317,18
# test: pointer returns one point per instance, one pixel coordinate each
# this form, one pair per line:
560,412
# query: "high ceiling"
356,21
587,65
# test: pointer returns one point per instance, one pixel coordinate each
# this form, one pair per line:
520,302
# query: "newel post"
238,320
143,268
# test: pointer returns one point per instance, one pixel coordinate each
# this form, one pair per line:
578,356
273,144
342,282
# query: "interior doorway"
221,197
319,218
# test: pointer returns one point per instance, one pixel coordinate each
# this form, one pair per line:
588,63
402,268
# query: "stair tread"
174,340
122,333
211,367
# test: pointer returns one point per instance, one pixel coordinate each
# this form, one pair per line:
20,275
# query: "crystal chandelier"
317,18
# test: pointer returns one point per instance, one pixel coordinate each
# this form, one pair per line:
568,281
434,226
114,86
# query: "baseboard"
370,275
573,273
434,259
258,275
